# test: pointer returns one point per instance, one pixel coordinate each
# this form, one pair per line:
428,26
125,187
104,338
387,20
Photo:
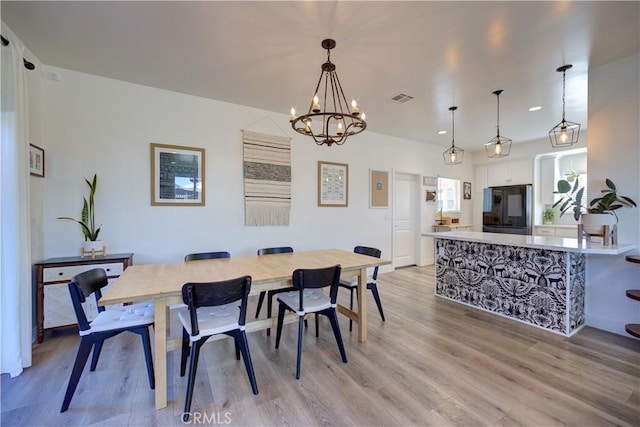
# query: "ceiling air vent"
402,98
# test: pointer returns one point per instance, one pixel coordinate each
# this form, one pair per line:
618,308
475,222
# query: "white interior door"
405,234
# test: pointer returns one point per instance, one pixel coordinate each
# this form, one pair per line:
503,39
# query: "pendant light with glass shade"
565,133
454,155
498,146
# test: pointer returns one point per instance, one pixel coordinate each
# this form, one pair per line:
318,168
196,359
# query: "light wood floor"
433,362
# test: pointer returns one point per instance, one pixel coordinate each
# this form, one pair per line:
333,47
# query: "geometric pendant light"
454,155
565,133
498,146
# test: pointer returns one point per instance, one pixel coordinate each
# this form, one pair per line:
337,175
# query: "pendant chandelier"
330,121
565,133
498,146
454,155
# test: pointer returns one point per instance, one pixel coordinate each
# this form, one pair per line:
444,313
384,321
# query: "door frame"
417,219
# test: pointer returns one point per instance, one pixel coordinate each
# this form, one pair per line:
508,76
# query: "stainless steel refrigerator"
507,209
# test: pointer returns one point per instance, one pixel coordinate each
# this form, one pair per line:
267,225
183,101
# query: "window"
449,195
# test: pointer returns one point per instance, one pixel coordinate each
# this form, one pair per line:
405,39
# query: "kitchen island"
538,280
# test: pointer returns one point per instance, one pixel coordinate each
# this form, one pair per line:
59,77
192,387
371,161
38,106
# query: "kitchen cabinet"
480,177
544,231
555,231
512,172
547,184
53,302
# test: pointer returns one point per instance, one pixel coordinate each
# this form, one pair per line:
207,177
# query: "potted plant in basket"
87,219
605,205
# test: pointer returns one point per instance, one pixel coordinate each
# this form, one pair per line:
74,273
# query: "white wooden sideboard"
53,302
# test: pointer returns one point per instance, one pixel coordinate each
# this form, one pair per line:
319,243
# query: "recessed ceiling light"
536,108
442,132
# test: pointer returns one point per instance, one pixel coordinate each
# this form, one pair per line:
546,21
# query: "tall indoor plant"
87,219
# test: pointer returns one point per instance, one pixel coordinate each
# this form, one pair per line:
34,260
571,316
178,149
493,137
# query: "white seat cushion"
212,320
352,282
314,300
122,316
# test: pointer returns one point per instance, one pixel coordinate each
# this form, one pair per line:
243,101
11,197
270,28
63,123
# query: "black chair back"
82,286
313,278
278,250
365,250
211,294
207,255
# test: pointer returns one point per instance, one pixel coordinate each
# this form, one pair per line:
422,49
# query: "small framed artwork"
466,190
333,184
378,189
430,196
429,181
36,160
177,175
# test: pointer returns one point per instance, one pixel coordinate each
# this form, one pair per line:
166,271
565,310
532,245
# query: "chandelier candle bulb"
340,132
293,114
354,108
316,104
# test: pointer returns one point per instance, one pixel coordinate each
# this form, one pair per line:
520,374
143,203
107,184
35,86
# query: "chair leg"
235,341
146,344
299,361
317,323
260,301
269,309
376,296
195,354
333,317
241,338
78,366
97,348
184,353
281,309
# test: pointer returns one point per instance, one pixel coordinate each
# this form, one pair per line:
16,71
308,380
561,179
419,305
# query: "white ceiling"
268,55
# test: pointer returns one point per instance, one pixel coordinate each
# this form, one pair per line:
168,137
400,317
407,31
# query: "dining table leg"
362,305
160,340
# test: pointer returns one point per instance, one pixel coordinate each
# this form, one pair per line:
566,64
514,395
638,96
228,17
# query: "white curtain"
15,262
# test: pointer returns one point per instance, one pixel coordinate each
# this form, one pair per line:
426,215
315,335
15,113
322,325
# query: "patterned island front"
539,286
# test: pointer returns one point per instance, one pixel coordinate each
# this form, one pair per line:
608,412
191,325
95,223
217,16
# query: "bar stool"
633,328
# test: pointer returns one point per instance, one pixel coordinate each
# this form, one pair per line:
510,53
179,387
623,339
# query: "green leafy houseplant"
87,216
548,215
608,202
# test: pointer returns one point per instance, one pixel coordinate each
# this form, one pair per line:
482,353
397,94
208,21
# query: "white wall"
104,126
614,152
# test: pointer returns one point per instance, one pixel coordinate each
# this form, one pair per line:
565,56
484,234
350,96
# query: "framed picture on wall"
333,184
177,175
466,190
36,160
378,189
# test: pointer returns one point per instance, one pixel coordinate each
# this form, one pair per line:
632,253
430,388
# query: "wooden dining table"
163,282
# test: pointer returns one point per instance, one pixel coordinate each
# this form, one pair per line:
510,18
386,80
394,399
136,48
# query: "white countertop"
539,242
453,225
